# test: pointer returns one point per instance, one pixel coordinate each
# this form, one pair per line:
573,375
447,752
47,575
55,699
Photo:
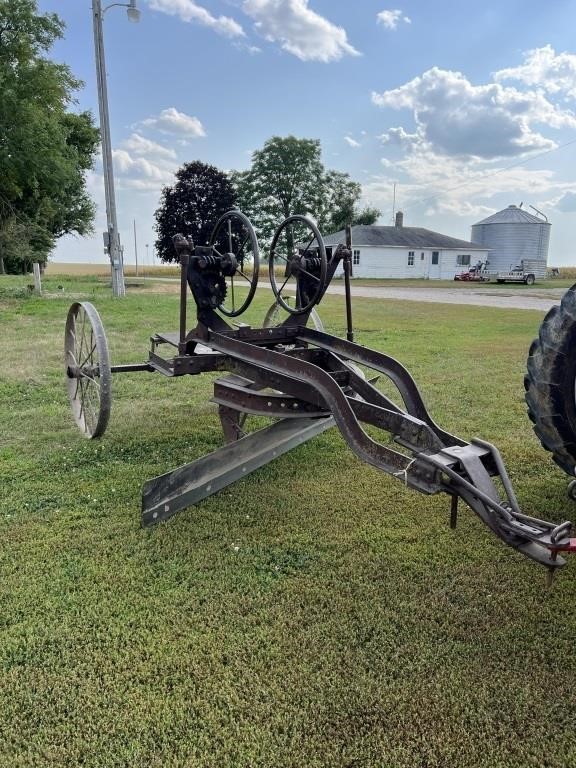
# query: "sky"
462,108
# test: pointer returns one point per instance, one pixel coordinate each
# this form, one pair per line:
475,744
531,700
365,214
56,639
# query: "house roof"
512,215
406,237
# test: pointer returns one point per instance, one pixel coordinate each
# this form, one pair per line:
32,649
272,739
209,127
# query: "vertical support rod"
347,276
453,511
184,258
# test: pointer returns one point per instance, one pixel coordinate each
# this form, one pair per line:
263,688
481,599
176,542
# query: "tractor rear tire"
550,382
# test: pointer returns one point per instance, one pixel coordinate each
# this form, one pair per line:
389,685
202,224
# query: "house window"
463,260
422,256
356,257
435,257
410,258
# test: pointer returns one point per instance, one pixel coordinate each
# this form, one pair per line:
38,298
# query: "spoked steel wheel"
233,236
88,375
299,256
275,316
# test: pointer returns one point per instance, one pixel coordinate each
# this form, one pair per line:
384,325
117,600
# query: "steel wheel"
88,375
234,236
274,316
298,249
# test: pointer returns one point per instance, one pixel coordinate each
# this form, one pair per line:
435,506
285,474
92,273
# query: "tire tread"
545,384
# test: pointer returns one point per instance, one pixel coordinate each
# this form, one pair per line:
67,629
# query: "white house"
404,252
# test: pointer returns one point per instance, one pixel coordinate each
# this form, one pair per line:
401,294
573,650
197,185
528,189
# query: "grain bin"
513,235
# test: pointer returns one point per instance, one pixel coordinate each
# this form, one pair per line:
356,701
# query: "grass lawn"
316,613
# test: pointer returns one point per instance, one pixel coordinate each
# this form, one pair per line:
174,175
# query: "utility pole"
135,248
111,236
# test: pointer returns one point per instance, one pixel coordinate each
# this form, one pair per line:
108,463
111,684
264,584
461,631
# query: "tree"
287,177
16,251
192,206
45,149
283,180
341,204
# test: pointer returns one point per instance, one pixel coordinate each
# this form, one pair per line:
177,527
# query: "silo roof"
512,215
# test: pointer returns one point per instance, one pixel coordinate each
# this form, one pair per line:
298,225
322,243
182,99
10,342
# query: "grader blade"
166,494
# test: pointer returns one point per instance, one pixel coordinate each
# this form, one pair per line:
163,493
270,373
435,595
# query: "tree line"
286,177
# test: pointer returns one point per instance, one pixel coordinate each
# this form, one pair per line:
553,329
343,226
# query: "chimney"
399,220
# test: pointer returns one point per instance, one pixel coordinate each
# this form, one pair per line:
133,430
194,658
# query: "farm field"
86,270
317,613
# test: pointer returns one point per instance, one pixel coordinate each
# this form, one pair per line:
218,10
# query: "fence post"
37,279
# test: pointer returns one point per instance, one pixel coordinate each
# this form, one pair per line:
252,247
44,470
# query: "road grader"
308,381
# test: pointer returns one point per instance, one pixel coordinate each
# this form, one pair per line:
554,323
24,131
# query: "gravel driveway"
528,298
541,299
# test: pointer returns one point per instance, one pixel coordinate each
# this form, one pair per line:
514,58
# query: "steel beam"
166,494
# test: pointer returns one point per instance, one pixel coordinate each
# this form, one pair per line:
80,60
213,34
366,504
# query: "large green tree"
287,177
191,207
45,147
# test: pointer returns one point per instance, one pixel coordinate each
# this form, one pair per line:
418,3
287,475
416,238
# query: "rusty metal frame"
307,381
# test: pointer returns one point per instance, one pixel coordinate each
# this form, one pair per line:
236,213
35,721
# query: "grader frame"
305,379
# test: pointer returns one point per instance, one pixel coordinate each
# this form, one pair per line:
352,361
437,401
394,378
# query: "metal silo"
514,235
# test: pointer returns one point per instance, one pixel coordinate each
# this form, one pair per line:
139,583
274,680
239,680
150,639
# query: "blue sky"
467,107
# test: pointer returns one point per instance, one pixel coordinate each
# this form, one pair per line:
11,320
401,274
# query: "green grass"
315,614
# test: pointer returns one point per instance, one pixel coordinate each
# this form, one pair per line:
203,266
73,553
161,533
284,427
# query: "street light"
133,12
111,236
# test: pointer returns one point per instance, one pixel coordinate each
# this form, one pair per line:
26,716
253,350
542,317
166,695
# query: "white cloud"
139,145
139,167
351,142
455,117
299,30
567,202
554,73
189,11
172,121
251,49
391,19
398,137
438,184
447,159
